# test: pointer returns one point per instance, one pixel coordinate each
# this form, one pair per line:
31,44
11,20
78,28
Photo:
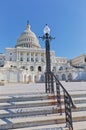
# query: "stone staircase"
39,111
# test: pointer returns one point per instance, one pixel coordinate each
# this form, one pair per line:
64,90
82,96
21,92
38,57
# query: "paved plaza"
39,88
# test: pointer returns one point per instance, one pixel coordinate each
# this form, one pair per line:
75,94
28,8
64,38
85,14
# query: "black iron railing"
68,103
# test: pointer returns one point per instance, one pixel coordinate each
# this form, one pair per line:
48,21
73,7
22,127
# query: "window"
31,68
42,78
15,66
21,59
28,59
54,69
39,68
23,67
11,66
32,59
61,68
10,53
70,76
42,59
57,76
36,59
63,77
10,59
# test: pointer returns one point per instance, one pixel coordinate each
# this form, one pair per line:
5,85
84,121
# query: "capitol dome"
28,39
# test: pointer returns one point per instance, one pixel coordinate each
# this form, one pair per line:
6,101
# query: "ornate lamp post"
48,74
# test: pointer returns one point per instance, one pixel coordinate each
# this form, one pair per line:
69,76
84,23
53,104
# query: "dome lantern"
28,25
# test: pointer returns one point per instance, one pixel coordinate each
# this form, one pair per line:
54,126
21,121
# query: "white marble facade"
26,62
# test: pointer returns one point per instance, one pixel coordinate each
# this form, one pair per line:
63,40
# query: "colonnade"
30,56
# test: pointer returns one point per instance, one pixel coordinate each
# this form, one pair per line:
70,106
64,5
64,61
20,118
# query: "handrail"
67,102
73,106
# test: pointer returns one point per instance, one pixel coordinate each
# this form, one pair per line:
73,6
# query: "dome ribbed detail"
28,39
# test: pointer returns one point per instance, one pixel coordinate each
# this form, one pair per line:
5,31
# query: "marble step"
39,99
30,97
79,100
19,110
76,94
36,103
77,126
46,127
23,104
38,96
81,125
10,123
32,111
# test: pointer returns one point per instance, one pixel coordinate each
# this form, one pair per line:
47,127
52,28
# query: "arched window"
63,77
32,60
61,68
28,59
70,76
23,67
29,78
57,76
24,78
31,68
11,66
42,78
21,59
10,58
35,78
39,68
36,60
54,69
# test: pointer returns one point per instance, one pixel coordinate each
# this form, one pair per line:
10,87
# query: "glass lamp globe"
46,29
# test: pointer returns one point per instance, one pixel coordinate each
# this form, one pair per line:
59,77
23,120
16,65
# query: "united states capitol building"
26,62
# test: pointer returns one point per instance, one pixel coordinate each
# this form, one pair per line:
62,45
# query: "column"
19,56
30,56
25,57
34,56
39,57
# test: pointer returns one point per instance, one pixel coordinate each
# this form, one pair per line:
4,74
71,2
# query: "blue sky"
66,18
